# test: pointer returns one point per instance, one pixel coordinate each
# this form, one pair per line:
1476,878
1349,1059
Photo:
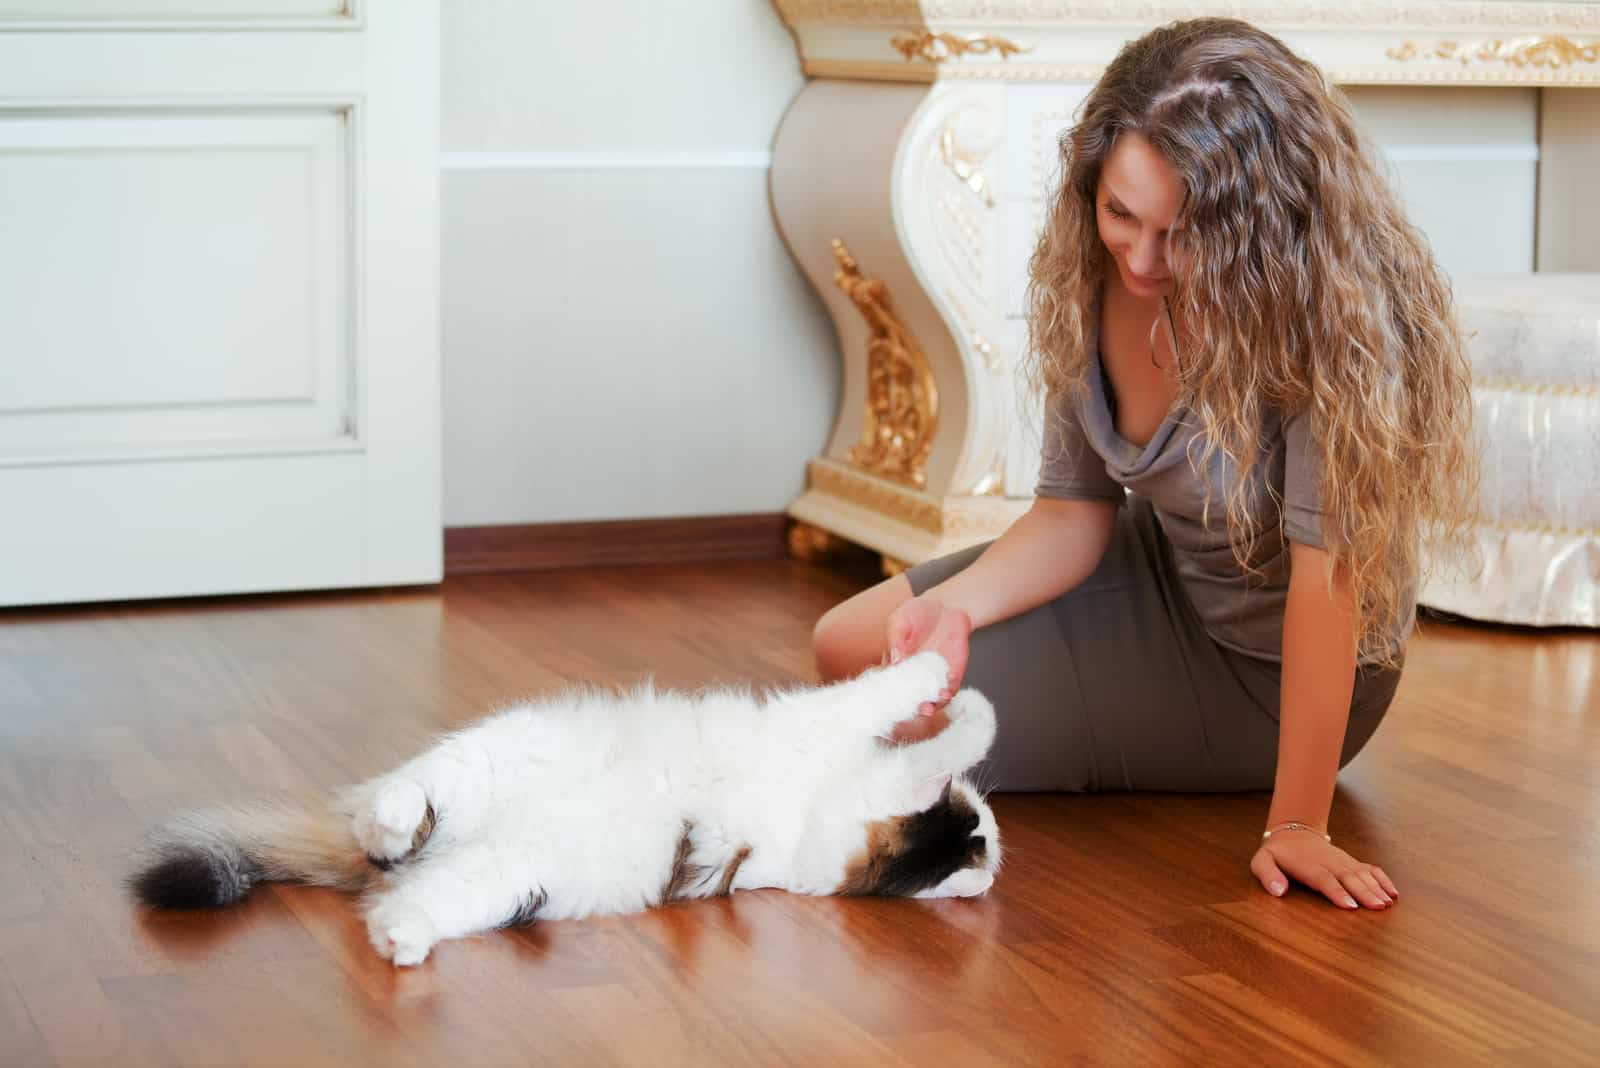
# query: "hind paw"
388,826
400,932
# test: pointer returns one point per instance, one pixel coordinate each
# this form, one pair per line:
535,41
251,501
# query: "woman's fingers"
1329,885
1364,888
1383,881
1266,869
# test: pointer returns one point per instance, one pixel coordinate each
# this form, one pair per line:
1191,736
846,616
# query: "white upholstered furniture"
1536,388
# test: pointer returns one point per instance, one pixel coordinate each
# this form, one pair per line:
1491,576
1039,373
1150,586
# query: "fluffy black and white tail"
210,859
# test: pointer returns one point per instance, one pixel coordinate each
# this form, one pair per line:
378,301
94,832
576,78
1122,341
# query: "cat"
588,804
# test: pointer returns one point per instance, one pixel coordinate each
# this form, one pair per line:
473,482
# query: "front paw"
968,882
400,932
926,678
971,705
387,825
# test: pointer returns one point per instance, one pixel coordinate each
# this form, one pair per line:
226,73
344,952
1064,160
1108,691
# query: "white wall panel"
124,11
183,281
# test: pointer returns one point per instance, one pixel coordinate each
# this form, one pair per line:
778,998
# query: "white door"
219,362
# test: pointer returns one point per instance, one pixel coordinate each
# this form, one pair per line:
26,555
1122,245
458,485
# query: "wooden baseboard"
613,543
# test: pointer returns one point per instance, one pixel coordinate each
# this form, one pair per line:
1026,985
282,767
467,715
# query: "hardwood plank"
1123,929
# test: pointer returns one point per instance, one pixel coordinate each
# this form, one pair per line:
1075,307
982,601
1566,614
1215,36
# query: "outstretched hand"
924,623
1311,859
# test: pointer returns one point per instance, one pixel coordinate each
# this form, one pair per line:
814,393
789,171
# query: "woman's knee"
849,638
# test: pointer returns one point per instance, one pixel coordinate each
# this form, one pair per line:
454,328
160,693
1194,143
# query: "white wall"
625,334
1465,161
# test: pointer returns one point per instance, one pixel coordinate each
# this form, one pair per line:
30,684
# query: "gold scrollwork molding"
1373,13
1551,51
902,411
937,47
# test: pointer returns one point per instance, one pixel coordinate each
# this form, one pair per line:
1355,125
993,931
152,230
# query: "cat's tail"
212,858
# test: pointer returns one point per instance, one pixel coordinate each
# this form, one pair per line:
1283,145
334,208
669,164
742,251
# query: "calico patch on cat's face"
914,854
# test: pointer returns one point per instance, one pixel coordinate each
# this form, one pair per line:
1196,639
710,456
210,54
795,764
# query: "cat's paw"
968,882
386,827
400,932
926,677
972,710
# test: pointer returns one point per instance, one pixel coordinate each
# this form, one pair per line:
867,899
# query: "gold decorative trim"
1438,74
1537,389
942,45
885,499
1537,529
872,72
954,517
1549,52
902,412
1305,13
812,544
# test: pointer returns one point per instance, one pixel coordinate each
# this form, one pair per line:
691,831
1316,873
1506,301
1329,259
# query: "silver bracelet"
1293,825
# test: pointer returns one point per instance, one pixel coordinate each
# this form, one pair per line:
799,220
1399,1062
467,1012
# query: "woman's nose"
1147,256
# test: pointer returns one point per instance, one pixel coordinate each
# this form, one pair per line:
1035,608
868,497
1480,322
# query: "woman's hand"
1309,858
924,623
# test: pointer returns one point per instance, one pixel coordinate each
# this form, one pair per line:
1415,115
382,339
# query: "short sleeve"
1069,468
1302,481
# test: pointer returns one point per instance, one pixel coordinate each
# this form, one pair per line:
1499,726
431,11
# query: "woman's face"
1136,202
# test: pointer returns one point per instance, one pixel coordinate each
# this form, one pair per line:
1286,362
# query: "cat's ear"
930,792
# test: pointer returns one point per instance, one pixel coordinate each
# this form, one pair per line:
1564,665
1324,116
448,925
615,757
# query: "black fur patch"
189,878
920,851
528,911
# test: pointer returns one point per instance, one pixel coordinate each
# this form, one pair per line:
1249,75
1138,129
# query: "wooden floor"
1124,930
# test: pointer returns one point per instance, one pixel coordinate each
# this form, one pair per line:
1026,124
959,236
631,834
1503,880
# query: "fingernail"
1350,903
924,710
1277,889
894,656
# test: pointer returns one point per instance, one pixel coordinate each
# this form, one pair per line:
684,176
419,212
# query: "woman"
1231,320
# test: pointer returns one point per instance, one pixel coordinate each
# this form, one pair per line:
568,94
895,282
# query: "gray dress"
1161,670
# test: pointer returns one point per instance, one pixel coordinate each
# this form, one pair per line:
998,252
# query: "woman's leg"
1115,685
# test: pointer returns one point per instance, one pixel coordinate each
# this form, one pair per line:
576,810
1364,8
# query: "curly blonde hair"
1299,283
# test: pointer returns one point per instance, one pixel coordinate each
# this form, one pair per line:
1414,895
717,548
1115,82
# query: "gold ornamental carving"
902,410
1552,52
1379,13
937,47
957,517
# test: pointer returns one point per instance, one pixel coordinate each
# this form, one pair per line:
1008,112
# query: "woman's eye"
1114,213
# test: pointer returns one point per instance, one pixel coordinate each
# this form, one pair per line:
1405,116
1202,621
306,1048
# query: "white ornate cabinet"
909,180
